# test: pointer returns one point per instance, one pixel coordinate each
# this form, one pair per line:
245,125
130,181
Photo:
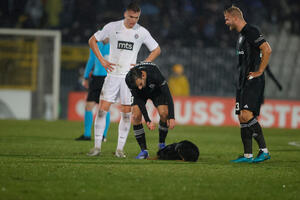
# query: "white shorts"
115,90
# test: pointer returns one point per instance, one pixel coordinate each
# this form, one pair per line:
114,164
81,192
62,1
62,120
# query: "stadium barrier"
211,111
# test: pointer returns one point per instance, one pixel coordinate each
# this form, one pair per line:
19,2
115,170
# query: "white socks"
124,128
99,128
248,155
265,150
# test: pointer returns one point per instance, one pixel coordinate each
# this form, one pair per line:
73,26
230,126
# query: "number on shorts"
237,106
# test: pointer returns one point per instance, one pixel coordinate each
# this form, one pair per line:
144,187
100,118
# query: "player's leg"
100,124
95,87
88,121
106,126
139,131
257,133
110,91
255,127
88,118
246,136
123,130
125,122
162,127
255,96
161,103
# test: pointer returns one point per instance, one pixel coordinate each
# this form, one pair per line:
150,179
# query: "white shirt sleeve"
104,33
150,42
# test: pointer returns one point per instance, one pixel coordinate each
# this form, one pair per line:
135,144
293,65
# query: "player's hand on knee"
171,123
151,126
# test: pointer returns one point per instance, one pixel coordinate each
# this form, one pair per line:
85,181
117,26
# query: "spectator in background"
294,16
178,82
98,74
53,9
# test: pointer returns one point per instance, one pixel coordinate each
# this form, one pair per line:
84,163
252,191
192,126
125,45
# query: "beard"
232,27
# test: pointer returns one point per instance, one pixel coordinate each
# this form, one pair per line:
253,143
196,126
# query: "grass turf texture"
41,160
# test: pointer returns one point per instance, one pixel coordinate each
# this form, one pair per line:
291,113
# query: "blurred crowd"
197,23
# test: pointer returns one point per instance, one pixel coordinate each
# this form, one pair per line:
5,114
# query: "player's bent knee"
102,113
89,107
126,117
245,116
164,116
136,118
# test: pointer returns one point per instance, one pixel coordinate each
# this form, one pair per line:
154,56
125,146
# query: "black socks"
139,134
163,131
249,129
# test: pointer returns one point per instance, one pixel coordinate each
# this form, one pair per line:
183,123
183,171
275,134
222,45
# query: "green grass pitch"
41,160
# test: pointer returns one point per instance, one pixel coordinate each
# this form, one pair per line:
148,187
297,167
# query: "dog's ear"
188,151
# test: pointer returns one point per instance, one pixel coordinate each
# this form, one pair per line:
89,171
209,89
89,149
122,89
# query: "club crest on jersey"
136,36
125,45
241,39
151,86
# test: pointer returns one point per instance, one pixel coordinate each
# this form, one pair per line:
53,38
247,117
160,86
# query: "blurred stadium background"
43,49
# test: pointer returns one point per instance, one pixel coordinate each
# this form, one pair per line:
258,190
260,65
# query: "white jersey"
124,45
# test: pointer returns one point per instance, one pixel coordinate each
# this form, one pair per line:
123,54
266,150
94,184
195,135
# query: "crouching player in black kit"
254,53
146,82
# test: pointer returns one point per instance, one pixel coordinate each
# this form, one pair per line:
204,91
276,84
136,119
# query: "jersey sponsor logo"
125,45
136,36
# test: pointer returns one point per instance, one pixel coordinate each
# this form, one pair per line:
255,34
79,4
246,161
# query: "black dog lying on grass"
184,150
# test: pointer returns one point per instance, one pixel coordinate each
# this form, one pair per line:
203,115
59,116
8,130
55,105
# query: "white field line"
293,143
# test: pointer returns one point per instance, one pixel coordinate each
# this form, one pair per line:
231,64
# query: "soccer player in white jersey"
126,38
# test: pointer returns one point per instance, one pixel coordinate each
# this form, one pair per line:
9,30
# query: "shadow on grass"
111,160
94,160
34,138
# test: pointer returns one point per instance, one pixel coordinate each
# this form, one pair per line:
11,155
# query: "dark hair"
134,74
133,6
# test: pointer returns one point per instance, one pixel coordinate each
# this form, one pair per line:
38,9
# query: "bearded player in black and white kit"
254,53
126,38
147,82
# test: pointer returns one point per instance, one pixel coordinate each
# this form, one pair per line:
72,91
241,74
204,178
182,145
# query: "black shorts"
250,97
157,100
95,87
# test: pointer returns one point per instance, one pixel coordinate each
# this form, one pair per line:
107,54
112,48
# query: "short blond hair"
234,11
